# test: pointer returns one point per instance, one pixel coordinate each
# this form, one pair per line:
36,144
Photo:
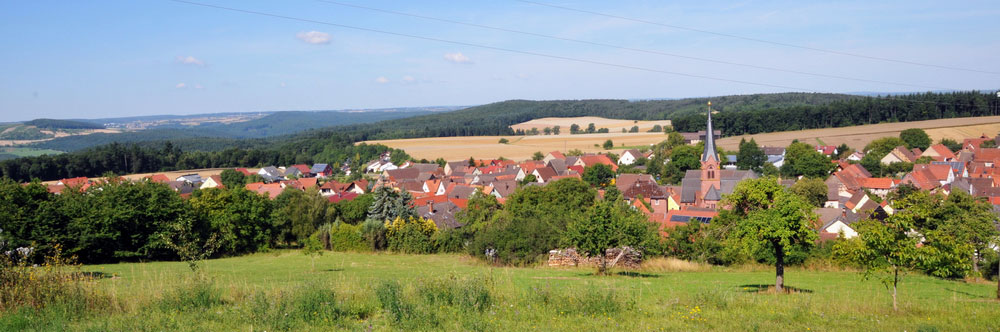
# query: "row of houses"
854,194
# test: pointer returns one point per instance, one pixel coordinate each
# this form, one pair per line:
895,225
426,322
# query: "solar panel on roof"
680,218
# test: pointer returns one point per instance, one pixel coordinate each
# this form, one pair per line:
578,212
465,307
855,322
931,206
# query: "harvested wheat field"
205,173
519,148
522,147
859,136
614,125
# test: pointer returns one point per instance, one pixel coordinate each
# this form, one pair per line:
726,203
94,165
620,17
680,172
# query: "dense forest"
125,159
216,136
737,115
62,124
859,111
496,118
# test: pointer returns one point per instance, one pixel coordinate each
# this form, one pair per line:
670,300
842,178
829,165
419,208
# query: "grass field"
522,147
28,152
376,292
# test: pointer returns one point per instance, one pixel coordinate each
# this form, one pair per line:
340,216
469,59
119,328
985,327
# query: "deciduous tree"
771,218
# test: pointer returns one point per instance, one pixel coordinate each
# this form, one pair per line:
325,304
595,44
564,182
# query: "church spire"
709,139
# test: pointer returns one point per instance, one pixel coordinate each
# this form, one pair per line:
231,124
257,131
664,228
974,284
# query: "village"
440,191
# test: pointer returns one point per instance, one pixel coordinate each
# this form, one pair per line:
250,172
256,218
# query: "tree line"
128,159
843,113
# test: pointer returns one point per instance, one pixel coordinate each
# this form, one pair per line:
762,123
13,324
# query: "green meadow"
286,290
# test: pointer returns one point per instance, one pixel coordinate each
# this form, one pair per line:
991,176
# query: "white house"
838,226
629,157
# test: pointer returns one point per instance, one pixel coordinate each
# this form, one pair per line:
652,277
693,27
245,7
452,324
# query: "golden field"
205,173
522,147
614,125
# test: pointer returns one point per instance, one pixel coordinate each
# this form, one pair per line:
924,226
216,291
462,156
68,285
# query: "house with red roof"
590,160
901,154
74,182
341,197
553,155
878,186
214,181
939,152
827,150
929,177
685,215
159,178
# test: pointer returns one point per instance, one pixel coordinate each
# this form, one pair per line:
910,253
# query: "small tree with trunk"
610,224
771,218
884,250
313,247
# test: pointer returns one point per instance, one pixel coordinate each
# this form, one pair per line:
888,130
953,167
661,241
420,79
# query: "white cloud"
314,37
283,84
382,80
190,60
180,85
198,86
457,58
409,79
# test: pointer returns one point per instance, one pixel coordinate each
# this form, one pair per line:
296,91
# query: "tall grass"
670,264
368,292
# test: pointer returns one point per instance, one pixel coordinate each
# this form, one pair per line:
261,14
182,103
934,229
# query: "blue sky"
91,59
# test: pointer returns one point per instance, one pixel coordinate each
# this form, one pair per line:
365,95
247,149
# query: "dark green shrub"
346,237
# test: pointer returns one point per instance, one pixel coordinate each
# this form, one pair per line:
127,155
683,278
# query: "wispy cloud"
409,79
381,80
180,85
314,37
190,60
457,58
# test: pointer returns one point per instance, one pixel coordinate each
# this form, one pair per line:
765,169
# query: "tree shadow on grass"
637,274
94,275
632,274
974,296
769,289
334,270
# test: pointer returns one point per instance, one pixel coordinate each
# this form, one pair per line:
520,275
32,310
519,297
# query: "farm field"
519,148
27,152
283,290
50,134
206,172
859,136
522,147
564,124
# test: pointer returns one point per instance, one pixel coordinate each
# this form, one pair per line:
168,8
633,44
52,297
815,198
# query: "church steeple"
709,139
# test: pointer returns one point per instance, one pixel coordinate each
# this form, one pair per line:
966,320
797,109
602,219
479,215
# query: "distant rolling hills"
221,130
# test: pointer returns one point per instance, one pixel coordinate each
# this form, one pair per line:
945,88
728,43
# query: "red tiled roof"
987,155
826,149
460,202
341,197
557,155
245,171
591,160
73,182
308,182
936,172
305,169
161,178
876,183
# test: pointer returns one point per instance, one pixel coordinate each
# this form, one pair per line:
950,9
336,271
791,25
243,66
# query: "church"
704,188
